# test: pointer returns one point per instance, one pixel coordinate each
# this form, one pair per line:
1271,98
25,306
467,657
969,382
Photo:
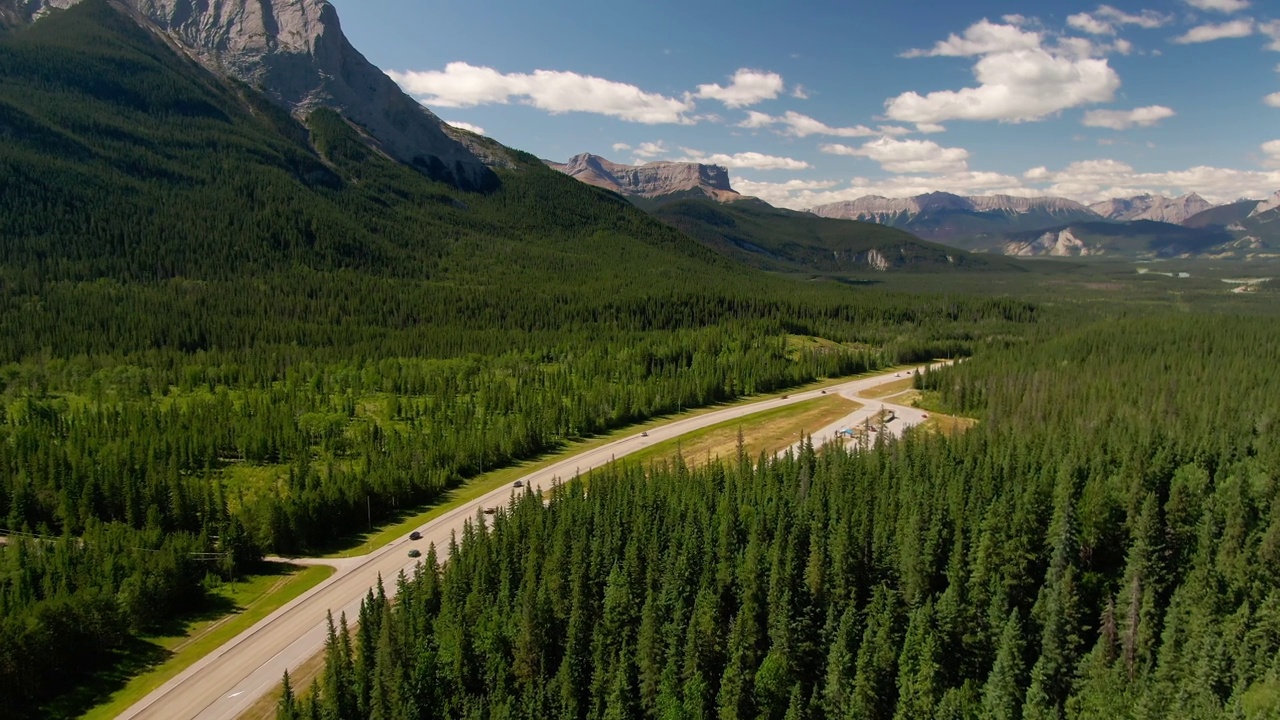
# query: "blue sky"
811,102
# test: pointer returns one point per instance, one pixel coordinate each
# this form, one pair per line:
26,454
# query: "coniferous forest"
1106,543
226,332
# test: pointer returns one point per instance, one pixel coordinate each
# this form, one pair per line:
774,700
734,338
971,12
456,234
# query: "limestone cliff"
652,180
295,52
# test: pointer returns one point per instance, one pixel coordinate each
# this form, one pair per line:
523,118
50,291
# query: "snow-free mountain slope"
971,223
874,208
758,234
295,52
1266,206
107,129
1152,207
651,181
1140,239
1222,215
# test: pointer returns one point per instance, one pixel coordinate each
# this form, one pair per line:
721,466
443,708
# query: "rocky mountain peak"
296,53
877,209
1267,205
651,180
1015,205
1152,207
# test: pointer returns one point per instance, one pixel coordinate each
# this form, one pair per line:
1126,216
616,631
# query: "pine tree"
1002,694
287,709
919,667
874,692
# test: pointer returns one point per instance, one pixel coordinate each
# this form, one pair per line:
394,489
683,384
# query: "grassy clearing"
235,608
937,422
767,432
881,392
949,424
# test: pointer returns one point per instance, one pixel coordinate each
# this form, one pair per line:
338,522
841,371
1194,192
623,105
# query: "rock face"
652,180
1267,205
1152,207
1060,243
874,208
296,53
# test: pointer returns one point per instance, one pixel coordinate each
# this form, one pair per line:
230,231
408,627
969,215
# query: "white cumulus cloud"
621,147
1085,181
1097,180
797,125
1019,79
1106,19
982,38
747,87
1273,100
1090,24
799,195
1125,119
1272,30
1272,151
463,85
1223,6
650,150
1216,31
756,120
907,156
749,160
1147,19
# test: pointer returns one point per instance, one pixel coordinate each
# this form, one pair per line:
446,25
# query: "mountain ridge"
295,52
1159,208
651,181
872,206
778,240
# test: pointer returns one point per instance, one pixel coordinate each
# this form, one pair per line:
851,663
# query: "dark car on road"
415,535
415,553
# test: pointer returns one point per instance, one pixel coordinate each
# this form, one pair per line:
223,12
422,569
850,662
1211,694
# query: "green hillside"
770,238
225,332
1138,239
123,160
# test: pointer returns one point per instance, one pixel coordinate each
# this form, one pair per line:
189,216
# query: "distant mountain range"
758,234
1140,227
1146,226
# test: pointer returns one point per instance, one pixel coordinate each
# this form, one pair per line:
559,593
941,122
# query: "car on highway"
490,511
415,535
519,484
415,553
644,434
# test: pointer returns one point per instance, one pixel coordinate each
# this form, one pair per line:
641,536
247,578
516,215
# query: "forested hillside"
770,238
226,332
1106,543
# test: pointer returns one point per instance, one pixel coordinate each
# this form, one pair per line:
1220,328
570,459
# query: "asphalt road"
226,682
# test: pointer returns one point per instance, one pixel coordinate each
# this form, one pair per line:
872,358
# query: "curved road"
227,681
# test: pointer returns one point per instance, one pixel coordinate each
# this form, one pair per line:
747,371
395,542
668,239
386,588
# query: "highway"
226,682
